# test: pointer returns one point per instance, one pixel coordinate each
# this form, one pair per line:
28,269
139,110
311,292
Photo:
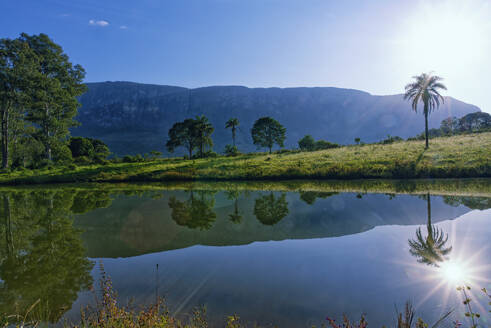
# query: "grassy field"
462,156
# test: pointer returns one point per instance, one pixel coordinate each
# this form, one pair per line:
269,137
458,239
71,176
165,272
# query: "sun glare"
454,273
447,36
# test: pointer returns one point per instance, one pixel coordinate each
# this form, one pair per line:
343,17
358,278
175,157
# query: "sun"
454,273
447,36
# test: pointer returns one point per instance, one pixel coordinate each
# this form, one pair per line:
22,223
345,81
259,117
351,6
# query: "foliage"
307,143
426,88
231,150
391,139
463,156
323,144
270,209
191,134
267,132
232,124
196,212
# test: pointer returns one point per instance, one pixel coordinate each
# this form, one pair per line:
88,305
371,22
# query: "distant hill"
135,118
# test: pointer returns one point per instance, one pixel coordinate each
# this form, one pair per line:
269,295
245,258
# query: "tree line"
195,134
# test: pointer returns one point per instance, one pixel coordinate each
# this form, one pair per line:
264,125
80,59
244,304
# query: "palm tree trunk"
233,136
426,125
429,227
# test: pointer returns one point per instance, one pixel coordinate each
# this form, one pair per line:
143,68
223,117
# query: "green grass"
462,156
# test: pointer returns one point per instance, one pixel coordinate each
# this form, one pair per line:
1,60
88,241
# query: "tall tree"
267,131
204,129
232,124
58,83
17,63
183,134
425,88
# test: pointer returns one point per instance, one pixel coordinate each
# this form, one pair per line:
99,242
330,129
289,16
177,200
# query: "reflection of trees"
310,196
87,200
42,256
270,209
196,212
475,203
235,217
430,249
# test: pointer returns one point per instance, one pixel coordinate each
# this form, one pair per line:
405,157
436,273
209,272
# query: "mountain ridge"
135,118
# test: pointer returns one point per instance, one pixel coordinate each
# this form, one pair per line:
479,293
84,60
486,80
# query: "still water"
289,258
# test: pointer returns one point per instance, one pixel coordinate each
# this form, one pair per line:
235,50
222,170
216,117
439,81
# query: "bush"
231,150
323,144
391,139
83,160
133,159
72,167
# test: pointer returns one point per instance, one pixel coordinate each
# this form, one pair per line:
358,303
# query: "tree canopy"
267,132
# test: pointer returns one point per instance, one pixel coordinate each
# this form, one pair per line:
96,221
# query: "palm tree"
232,124
430,250
425,88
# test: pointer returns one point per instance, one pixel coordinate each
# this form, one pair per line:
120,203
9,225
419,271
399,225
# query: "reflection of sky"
299,282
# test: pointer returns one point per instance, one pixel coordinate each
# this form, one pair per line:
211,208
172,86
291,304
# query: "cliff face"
135,118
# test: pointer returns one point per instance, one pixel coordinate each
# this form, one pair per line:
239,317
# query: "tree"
267,131
204,129
183,134
357,140
17,64
57,84
232,124
80,146
269,210
426,88
307,143
430,250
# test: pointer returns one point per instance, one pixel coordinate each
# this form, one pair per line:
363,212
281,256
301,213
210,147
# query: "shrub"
83,160
323,144
231,150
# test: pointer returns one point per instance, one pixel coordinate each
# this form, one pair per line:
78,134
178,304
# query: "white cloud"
123,27
101,23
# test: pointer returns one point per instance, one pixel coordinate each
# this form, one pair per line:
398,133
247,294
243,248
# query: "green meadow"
463,156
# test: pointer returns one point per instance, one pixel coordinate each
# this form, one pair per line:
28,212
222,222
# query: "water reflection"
270,209
432,249
42,256
48,235
195,213
235,217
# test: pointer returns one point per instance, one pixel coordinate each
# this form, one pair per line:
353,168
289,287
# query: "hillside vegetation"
448,157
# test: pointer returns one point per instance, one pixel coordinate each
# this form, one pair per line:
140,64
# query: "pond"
286,253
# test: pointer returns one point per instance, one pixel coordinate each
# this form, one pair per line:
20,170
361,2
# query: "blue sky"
375,45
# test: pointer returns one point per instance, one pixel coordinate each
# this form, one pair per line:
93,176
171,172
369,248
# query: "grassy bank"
462,156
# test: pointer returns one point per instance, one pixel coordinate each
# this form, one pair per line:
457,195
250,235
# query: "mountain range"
135,118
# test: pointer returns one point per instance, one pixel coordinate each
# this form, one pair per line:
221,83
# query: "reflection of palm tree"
270,210
235,217
430,250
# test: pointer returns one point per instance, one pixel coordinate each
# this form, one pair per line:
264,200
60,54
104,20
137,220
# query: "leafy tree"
232,125
80,146
426,88
475,122
155,154
449,125
204,129
57,84
269,209
17,64
357,140
431,249
183,134
267,131
307,143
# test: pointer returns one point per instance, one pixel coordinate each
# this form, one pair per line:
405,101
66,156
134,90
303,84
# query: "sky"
370,45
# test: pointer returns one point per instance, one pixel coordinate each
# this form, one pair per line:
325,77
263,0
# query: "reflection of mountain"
139,225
